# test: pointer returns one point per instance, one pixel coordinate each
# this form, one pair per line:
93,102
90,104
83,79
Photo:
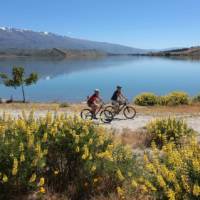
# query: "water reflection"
72,80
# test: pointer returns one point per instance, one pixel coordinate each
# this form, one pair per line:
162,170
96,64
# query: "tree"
19,80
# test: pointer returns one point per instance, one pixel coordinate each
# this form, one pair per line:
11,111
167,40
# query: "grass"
136,139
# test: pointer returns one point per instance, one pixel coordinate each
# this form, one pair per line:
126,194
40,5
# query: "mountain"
12,38
192,52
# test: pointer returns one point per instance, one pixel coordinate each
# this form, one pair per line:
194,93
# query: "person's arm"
100,99
122,96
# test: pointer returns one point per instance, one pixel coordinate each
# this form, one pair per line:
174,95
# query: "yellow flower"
95,180
76,139
56,172
77,149
120,192
93,168
41,183
45,152
144,188
31,139
86,152
161,181
45,136
5,178
42,190
129,174
106,155
119,175
90,141
15,167
133,183
171,194
196,190
33,178
22,157
21,147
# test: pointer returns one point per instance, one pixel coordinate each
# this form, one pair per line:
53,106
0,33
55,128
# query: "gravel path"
141,120
120,123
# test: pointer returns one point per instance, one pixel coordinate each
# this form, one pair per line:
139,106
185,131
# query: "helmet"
119,87
96,90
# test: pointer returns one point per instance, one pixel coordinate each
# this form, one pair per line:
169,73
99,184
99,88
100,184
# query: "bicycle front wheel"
106,116
129,112
86,114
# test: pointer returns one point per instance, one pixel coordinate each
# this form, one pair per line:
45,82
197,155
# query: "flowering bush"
146,99
177,98
196,99
171,99
161,131
62,154
173,173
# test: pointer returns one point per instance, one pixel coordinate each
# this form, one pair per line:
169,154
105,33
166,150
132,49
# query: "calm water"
73,80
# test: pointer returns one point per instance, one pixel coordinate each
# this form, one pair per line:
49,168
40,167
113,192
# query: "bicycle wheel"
129,112
106,116
86,114
111,109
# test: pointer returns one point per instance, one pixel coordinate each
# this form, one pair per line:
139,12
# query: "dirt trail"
141,120
119,123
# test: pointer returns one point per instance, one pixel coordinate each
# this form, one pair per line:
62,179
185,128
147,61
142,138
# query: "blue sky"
138,23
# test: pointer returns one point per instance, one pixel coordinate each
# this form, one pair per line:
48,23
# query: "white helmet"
96,90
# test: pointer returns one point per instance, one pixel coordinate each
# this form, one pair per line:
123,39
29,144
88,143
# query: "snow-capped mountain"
28,39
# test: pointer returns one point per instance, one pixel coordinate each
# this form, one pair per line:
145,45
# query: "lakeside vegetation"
172,99
59,155
184,53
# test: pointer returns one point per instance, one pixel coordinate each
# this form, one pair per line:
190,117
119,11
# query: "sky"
147,24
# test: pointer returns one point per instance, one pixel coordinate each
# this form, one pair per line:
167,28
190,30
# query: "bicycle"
106,116
128,111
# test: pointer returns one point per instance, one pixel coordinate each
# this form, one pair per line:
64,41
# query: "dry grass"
135,139
76,107
114,196
50,196
46,196
42,106
183,109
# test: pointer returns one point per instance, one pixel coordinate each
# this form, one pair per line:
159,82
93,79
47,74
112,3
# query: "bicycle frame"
99,109
121,107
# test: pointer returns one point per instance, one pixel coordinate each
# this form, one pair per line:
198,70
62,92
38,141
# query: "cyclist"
93,102
118,98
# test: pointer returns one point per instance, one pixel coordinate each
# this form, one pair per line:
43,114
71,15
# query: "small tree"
19,80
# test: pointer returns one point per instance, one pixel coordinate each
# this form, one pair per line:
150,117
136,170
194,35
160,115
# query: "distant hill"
192,52
18,40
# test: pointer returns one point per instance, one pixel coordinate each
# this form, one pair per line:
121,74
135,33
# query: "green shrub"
171,99
161,100
196,99
177,98
64,105
162,131
173,173
61,154
146,99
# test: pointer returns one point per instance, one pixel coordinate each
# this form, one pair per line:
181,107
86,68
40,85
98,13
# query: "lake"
73,80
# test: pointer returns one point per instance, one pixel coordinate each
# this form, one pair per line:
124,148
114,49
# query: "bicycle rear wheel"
86,114
106,116
129,112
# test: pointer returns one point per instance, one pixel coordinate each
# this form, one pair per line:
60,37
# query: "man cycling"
118,98
93,102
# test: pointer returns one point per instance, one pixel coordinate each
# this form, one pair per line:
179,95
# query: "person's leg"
116,106
93,109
